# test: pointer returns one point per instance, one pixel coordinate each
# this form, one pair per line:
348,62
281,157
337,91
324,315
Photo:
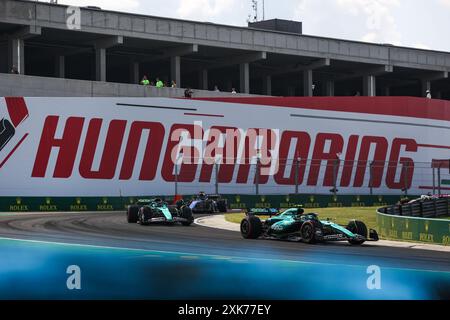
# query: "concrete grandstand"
109,52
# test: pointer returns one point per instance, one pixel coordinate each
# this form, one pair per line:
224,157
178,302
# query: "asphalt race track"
87,238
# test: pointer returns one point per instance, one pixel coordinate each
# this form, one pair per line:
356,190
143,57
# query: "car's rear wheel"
145,215
307,232
357,227
251,227
132,214
222,206
186,213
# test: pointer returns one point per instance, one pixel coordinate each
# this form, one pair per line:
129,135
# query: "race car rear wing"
262,212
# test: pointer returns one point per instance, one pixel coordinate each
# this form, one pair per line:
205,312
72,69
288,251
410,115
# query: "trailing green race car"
294,224
146,212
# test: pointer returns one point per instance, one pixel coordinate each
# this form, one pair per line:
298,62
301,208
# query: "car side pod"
373,235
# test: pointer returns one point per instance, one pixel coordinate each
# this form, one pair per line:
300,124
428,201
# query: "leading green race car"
148,211
293,224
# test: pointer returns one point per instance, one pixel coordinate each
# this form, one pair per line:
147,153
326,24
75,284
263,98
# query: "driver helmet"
202,195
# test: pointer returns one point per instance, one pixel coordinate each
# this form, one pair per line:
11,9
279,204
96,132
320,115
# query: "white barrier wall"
128,146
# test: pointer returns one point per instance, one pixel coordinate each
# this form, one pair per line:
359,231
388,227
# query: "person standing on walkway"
159,83
145,81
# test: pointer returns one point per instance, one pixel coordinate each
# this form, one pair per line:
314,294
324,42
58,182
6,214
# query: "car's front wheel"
132,214
307,232
251,227
145,215
359,228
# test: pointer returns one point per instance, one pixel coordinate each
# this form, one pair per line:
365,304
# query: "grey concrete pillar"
267,85
244,71
134,72
100,64
203,79
16,55
426,85
369,86
308,83
175,70
329,88
60,66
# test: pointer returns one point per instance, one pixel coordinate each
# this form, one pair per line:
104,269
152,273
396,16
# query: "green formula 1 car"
146,212
293,224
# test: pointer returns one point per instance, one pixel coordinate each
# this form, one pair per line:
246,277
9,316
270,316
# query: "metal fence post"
439,180
371,177
406,180
335,171
297,169
434,181
176,178
216,171
257,176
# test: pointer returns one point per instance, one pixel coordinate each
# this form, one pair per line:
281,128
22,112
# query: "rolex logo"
311,199
238,199
18,201
427,226
105,200
48,201
78,201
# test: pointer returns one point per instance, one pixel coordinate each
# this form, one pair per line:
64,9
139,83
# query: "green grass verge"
339,215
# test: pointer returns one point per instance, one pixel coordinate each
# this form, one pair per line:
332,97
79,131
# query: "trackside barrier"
433,208
413,228
49,204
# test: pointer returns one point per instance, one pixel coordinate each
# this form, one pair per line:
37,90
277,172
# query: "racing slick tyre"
357,227
222,206
186,213
132,214
308,232
251,227
145,214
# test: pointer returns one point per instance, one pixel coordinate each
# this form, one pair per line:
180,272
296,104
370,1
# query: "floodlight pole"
264,10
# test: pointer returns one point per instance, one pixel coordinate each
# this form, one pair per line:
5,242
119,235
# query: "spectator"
233,91
174,84
145,81
428,94
14,70
216,89
188,93
159,83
